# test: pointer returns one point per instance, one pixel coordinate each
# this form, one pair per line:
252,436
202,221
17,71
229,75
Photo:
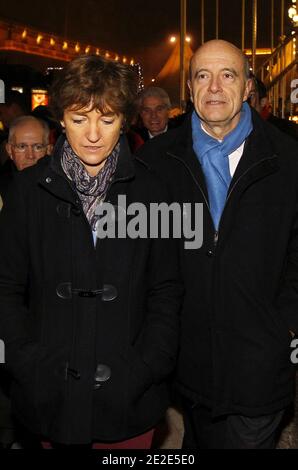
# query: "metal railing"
278,72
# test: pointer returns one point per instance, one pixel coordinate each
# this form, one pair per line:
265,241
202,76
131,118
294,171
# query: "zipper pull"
215,238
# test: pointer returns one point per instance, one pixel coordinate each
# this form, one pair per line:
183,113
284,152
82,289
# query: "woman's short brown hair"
108,85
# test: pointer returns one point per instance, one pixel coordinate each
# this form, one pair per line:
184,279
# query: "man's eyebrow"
225,69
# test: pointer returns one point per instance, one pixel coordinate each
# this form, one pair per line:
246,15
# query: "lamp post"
254,34
182,52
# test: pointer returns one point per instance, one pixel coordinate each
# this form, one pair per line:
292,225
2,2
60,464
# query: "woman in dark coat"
90,325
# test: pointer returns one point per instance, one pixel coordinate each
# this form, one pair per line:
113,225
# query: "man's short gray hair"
27,119
156,92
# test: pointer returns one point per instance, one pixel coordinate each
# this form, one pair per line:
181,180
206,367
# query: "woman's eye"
77,121
108,122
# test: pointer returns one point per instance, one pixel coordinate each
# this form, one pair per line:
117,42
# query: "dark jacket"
7,172
241,286
65,331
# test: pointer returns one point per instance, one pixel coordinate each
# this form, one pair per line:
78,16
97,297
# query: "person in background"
258,99
234,375
90,324
28,141
154,106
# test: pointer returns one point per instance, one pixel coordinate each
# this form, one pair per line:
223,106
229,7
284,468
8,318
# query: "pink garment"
143,441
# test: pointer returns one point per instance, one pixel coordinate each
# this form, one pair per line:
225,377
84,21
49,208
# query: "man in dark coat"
240,311
258,99
28,141
154,107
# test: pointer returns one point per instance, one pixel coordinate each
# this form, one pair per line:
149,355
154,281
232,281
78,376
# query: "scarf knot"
90,189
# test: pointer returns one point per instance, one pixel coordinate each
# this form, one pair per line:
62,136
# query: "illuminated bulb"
107,54
39,38
173,39
77,47
117,57
292,12
124,60
132,62
52,42
153,80
97,52
65,45
87,50
24,34
187,39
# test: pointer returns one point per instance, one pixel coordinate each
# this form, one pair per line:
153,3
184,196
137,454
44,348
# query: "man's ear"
248,88
62,124
8,150
49,149
190,89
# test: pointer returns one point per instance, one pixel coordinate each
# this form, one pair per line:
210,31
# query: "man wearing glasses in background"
28,141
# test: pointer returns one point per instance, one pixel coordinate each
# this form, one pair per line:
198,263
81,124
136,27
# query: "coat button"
63,209
48,180
109,293
102,375
209,253
63,290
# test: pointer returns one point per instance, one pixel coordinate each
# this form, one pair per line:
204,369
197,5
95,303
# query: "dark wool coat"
241,286
58,331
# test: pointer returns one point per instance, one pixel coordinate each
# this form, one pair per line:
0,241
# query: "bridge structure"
21,38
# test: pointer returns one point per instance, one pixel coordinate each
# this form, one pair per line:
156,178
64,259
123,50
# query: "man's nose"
215,85
30,152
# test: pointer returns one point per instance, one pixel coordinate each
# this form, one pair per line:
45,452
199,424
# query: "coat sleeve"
14,261
288,297
159,339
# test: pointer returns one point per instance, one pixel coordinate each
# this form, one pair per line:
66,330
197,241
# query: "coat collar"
53,178
257,161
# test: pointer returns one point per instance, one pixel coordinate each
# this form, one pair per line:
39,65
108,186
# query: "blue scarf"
213,157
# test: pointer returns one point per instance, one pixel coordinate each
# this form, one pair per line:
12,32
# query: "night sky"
139,28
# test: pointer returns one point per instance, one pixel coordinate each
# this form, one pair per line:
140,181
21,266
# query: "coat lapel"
182,149
258,159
